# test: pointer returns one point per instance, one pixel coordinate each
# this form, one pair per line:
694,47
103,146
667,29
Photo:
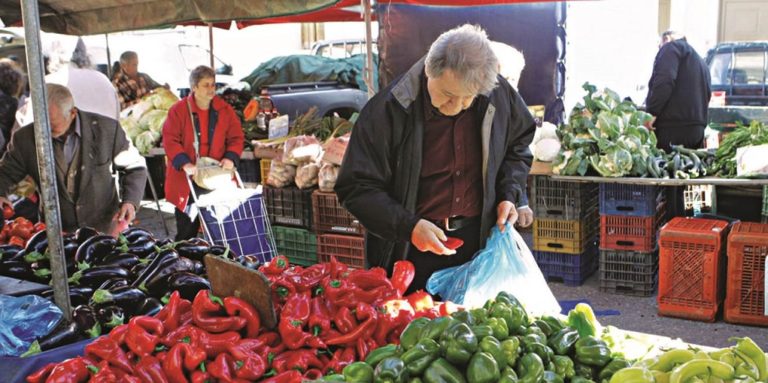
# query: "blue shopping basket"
237,217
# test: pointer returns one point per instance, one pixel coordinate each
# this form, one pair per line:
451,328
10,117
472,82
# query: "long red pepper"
149,369
369,279
215,344
69,371
105,374
403,273
205,310
42,374
118,334
104,348
240,308
364,330
143,335
182,356
292,376
319,318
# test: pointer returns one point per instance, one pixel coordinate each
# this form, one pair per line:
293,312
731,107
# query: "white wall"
697,19
610,43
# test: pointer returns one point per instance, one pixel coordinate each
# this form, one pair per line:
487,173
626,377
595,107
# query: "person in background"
511,65
86,147
442,151
131,84
11,85
678,93
220,136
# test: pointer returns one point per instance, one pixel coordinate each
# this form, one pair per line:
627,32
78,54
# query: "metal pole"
109,58
45,161
210,43
368,50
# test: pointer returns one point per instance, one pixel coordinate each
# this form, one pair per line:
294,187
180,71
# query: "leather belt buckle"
447,224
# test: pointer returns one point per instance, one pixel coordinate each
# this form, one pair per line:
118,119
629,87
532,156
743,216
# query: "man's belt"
455,223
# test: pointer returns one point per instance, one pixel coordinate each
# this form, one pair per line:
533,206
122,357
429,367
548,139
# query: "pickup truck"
329,97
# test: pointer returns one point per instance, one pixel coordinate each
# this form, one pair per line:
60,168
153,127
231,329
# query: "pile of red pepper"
18,231
329,317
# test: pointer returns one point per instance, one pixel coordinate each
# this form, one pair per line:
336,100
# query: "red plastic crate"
622,232
745,292
329,216
346,248
691,268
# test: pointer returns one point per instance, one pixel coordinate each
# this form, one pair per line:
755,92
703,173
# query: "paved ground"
628,313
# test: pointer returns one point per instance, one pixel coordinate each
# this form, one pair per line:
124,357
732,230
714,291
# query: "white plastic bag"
280,174
506,264
306,175
327,178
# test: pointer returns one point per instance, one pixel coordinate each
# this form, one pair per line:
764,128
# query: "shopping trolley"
236,217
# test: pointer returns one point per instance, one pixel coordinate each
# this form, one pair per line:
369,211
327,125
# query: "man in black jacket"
441,152
678,93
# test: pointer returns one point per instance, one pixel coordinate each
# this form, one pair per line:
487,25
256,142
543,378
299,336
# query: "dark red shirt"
451,180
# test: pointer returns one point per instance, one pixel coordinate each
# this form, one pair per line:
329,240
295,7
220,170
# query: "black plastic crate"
249,170
629,272
563,200
570,269
632,200
289,206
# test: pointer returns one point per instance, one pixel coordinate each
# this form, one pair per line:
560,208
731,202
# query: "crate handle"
625,243
555,245
625,208
555,212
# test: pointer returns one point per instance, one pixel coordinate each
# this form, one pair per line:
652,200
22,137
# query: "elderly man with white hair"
441,152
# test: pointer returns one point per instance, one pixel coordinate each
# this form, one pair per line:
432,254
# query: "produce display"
725,157
143,122
18,231
608,136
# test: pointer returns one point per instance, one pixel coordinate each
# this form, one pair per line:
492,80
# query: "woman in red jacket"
220,136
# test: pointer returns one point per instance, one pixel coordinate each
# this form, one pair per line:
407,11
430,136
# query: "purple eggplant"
85,233
137,270
133,234
199,268
127,297
85,317
142,247
125,260
250,261
187,284
112,283
77,295
150,306
193,249
38,242
63,334
9,251
95,276
156,284
18,270
163,258
110,316
94,249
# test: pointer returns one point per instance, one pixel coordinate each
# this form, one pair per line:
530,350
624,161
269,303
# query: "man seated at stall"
86,148
131,84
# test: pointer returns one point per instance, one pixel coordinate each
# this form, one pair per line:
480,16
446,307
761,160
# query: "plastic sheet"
24,319
505,264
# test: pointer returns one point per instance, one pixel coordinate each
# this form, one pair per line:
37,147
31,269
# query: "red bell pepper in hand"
369,279
205,310
106,349
41,375
369,316
143,335
403,273
70,371
240,308
182,356
149,370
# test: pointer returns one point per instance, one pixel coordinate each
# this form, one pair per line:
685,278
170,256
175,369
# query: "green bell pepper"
552,377
632,375
492,346
532,338
390,370
508,375
582,318
412,333
530,368
464,317
483,369
482,330
442,371
555,324
499,327
535,330
584,370
611,368
361,372
592,351
563,366
381,353
480,315
437,327
415,380
511,349
514,316
544,352
544,327
458,343
562,341
509,299
581,379
334,378
420,356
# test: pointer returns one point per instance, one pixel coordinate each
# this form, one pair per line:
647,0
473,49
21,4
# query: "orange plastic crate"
623,232
692,268
346,248
745,292
329,216
264,165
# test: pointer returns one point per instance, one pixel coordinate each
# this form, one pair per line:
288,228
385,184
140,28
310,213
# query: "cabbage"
163,98
546,149
131,127
154,120
144,142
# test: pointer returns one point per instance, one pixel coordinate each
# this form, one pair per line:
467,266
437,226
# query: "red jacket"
178,142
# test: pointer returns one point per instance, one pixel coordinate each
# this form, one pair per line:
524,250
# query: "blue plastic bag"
505,264
24,319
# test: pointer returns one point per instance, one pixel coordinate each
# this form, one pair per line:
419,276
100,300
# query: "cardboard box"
540,168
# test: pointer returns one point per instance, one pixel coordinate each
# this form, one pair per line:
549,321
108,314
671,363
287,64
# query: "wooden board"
229,278
666,182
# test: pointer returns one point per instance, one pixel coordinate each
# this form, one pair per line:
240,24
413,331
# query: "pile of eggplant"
112,279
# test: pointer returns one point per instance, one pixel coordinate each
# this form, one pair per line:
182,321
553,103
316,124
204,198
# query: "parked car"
739,72
340,49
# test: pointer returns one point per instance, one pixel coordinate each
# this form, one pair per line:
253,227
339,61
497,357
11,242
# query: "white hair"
511,62
465,51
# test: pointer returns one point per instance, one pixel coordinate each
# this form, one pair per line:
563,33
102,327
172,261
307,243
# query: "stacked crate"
565,229
692,268
339,234
765,204
745,301
290,213
630,217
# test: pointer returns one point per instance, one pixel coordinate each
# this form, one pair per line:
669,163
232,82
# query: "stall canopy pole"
45,161
210,44
368,50
109,58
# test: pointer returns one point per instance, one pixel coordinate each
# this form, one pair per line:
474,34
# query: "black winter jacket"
379,178
678,94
